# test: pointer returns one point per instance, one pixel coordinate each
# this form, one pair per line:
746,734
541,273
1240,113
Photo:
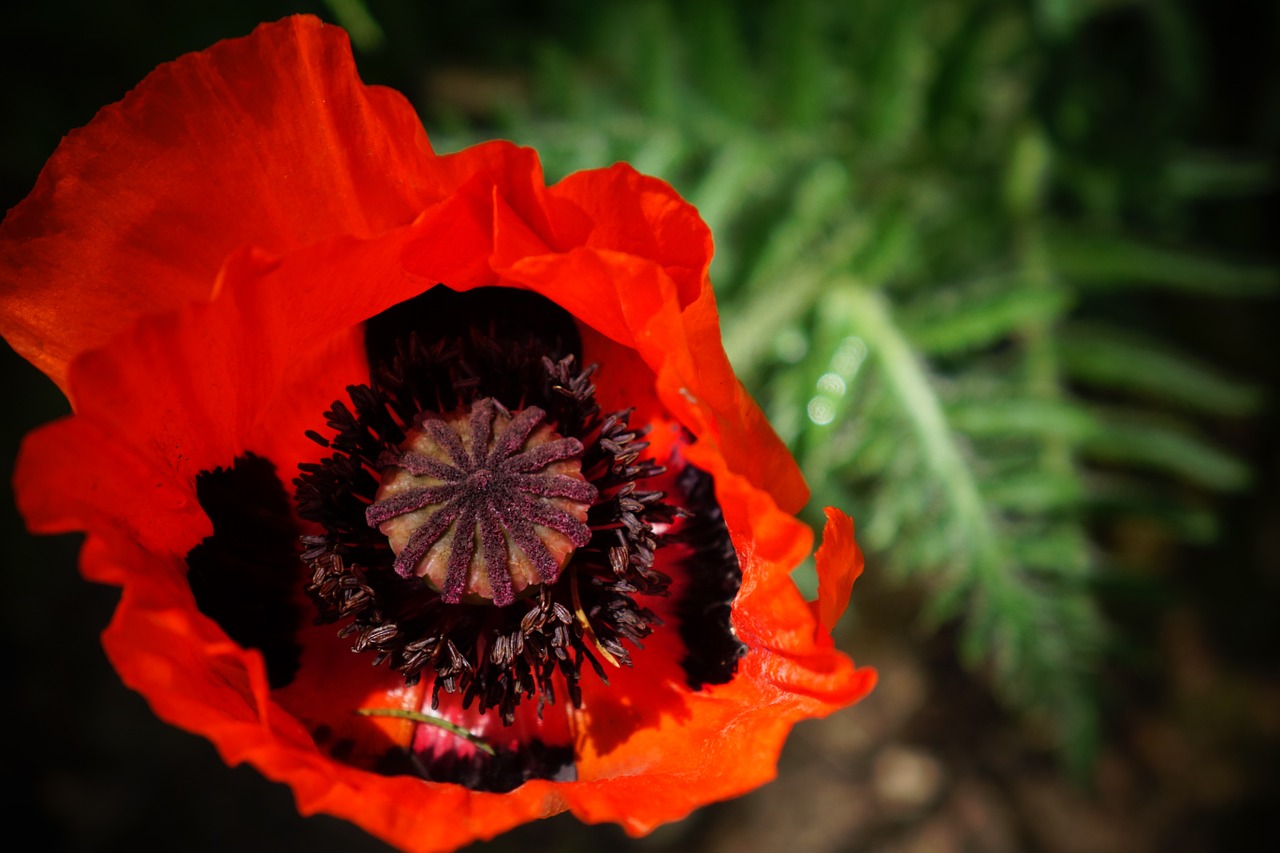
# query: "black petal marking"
705,608
246,575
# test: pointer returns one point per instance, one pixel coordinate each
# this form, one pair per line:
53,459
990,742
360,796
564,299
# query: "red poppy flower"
429,487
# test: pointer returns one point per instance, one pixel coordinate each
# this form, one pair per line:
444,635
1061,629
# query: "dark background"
1192,759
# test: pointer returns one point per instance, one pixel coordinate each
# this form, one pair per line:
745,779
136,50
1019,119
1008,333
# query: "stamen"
573,480
486,478
581,613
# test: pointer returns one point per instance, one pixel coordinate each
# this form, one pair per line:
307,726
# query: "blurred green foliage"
926,215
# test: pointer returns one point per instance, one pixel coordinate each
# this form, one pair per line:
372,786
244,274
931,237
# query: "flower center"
484,503
502,541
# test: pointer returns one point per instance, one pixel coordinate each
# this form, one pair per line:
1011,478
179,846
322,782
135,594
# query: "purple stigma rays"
483,504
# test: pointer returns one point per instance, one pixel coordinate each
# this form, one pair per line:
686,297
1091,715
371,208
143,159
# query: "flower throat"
483,520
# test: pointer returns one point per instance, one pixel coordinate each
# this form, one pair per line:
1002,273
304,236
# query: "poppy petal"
839,562
633,301
787,673
268,140
77,475
643,216
195,678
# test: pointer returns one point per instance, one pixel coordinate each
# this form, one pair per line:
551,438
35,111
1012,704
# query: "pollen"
483,504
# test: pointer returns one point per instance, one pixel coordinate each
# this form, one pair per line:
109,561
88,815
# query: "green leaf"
820,195
1028,172
354,17
726,184
1204,175
1037,633
1058,548
1117,497
1021,416
1118,262
898,83
1033,491
960,321
1116,359
1137,439
722,65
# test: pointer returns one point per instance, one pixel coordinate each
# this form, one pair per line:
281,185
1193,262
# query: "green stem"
909,383
428,720
1034,660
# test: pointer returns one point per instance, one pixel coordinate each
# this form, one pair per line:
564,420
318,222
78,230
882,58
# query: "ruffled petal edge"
268,140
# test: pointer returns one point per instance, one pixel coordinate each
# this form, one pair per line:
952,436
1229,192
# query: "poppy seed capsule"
483,504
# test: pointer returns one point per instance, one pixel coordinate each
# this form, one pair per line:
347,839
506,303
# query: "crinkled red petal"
839,562
196,678
269,140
